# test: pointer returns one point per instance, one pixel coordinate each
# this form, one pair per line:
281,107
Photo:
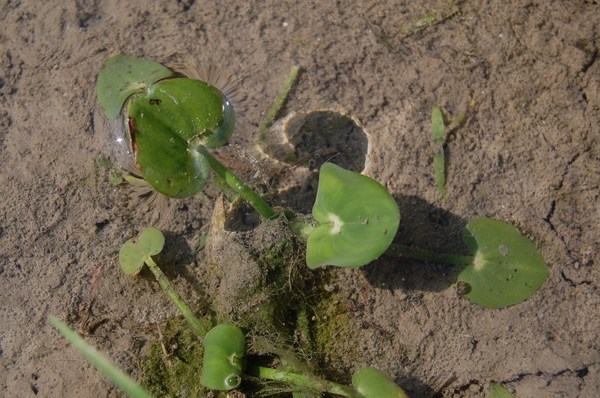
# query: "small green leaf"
357,219
120,379
438,127
124,75
507,267
135,251
497,391
223,363
439,168
373,383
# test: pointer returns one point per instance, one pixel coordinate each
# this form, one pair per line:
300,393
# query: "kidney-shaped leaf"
357,219
124,75
507,268
373,383
134,252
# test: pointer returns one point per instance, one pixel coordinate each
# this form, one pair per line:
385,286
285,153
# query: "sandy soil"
527,72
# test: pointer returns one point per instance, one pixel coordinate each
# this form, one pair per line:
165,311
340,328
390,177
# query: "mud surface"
527,73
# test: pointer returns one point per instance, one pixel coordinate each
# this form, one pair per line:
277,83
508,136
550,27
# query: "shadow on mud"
423,226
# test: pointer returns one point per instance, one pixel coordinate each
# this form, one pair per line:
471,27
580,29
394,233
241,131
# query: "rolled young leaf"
373,383
223,364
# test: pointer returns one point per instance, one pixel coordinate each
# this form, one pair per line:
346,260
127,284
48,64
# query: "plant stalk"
238,185
116,375
398,250
199,327
303,382
279,101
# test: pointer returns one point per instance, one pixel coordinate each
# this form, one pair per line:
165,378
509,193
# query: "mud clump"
256,277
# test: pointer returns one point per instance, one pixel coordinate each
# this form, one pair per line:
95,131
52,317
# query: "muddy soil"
526,72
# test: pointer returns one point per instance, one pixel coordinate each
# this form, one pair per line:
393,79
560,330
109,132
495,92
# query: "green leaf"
507,267
497,391
438,129
437,126
124,75
168,123
135,251
357,219
373,383
120,379
223,364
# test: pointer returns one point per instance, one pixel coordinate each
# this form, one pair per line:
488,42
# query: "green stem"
301,381
301,226
238,185
425,255
279,101
199,327
116,375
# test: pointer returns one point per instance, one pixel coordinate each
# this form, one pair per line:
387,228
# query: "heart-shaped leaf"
373,383
507,267
357,219
123,75
135,251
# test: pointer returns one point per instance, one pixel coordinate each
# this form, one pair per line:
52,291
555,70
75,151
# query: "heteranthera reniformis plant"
165,125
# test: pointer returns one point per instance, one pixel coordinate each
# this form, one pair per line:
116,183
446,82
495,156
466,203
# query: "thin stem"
301,381
199,327
301,226
238,185
425,255
116,375
279,101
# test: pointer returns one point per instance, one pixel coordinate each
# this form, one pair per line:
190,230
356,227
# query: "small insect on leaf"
124,75
223,364
135,251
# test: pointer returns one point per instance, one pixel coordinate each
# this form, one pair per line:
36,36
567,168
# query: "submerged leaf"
507,267
357,219
134,252
167,125
124,75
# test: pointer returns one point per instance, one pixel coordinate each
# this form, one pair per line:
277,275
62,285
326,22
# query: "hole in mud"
305,141
242,217
327,136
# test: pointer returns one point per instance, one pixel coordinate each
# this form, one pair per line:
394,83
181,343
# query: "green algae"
336,333
172,365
